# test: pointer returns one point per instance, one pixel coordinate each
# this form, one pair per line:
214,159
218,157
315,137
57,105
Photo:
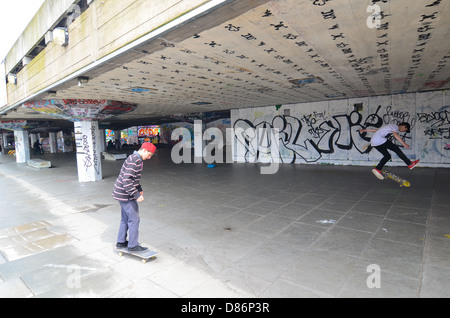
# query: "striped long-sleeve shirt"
127,186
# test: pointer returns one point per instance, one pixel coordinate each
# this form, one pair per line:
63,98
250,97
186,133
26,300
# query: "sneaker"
137,248
378,174
122,245
413,164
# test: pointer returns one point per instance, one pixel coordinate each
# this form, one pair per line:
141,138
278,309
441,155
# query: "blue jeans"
129,223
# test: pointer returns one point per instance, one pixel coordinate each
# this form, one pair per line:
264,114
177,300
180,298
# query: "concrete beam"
47,16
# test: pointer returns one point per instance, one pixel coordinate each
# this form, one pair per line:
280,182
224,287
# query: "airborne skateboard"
144,255
401,181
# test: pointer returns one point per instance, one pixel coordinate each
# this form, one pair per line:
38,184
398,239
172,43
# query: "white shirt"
379,137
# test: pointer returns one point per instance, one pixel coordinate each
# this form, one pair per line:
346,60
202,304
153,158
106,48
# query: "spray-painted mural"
80,109
328,132
19,124
167,130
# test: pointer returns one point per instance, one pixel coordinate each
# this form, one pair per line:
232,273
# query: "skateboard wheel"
144,261
120,254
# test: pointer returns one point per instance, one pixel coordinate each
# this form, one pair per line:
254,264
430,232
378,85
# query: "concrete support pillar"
60,141
52,142
89,163
118,139
102,140
2,144
5,140
135,138
34,138
22,142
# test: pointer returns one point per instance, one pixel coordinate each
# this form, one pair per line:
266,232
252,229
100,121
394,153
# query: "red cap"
149,147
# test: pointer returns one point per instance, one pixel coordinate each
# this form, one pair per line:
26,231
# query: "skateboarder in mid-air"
128,191
381,143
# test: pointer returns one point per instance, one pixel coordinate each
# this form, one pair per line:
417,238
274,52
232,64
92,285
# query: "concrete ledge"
114,156
39,163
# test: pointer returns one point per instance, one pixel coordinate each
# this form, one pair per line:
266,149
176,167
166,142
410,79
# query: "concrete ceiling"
280,52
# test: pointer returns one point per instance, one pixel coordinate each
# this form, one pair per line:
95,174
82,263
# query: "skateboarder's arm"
400,140
368,130
131,175
129,186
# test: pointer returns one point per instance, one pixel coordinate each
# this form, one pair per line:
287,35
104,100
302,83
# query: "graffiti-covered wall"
327,132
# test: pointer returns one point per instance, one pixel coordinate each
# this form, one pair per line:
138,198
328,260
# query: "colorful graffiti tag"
18,124
80,109
324,133
148,131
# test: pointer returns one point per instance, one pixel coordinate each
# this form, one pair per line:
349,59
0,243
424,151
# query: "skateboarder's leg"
386,156
396,149
133,223
123,228
130,221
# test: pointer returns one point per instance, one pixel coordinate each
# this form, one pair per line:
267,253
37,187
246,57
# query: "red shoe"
378,174
413,164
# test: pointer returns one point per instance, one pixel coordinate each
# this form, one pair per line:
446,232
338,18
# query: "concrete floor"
307,231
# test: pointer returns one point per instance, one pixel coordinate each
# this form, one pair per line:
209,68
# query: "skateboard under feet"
145,255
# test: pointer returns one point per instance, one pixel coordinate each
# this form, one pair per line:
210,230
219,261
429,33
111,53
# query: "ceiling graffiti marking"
260,57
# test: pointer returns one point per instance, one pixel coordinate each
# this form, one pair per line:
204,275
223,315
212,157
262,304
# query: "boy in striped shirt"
128,191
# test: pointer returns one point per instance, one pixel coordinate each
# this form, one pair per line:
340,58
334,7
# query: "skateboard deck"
145,255
401,181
